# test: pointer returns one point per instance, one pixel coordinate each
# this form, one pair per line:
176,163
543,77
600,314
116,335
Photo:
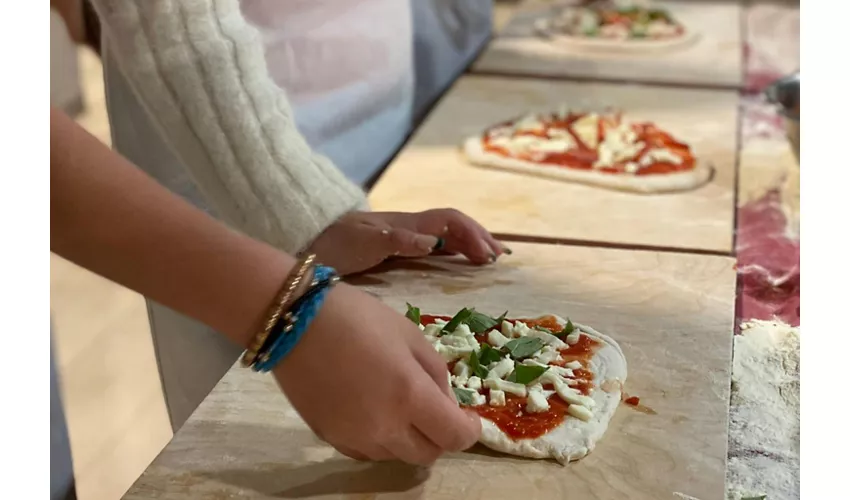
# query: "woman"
193,103
109,217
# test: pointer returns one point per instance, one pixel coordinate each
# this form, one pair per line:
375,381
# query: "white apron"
348,69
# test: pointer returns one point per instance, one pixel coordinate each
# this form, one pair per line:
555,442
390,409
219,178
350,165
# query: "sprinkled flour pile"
764,425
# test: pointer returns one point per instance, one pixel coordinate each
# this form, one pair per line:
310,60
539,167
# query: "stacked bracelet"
289,317
295,322
282,302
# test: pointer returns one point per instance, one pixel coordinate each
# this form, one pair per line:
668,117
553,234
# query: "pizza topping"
537,402
514,388
592,141
523,375
580,412
609,20
501,369
497,398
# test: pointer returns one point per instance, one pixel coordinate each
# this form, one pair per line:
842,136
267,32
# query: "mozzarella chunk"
660,28
504,385
561,371
573,338
586,128
497,398
549,339
547,355
478,399
496,339
572,396
537,402
458,381
560,145
529,123
520,329
474,383
433,330
501,368
461,369
573,365
632,167
450,353
534,362
580,412
661,155
507,329
422,327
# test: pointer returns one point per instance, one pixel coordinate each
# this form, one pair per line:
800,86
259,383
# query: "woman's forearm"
109,217
200,70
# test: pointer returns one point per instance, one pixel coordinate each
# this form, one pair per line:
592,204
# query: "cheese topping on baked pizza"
526,376
590,141
613,21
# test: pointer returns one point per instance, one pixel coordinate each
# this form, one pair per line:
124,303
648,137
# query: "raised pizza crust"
655,183
630,45
574,438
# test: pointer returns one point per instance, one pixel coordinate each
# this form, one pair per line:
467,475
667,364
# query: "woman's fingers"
443,422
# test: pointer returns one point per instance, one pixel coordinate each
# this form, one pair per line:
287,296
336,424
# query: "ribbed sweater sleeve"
199,69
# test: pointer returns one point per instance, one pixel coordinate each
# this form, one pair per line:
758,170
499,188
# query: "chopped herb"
480,323
523,347
525,374
488,355
760,497
475,366
658,14
461,317
501,318
413,314
568,329
463,396
542,329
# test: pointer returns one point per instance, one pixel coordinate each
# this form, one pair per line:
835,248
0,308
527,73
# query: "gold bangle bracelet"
282,300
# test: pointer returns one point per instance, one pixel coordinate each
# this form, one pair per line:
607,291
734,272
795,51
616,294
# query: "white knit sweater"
200,70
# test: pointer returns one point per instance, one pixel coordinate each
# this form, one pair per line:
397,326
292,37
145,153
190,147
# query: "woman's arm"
200,70
111,218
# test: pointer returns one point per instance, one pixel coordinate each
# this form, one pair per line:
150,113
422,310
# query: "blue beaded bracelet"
303,312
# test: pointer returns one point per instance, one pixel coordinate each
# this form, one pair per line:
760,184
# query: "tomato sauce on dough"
512,419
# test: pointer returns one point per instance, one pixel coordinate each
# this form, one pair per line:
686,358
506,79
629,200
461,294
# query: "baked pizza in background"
544,387
614,25
599,149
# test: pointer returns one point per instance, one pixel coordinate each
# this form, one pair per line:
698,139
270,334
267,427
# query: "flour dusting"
764,424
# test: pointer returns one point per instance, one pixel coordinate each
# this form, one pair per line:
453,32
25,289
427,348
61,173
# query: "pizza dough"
540,391
680,181
615,26
573,439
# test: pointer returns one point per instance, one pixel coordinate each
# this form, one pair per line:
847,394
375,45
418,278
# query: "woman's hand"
366,381
361,240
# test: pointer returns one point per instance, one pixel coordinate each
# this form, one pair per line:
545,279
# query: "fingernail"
507,250
493,257
426,243
441,243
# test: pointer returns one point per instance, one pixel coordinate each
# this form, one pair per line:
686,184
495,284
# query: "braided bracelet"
294,323
282,301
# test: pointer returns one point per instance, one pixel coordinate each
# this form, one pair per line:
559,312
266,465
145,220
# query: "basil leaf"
523,347
525,374
488,355
568,329
464,396
542,329
760,497
480,323
413,314
475,366
501,318
461,317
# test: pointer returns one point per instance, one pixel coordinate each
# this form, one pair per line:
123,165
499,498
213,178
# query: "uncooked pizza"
543,387
614,25
600,149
